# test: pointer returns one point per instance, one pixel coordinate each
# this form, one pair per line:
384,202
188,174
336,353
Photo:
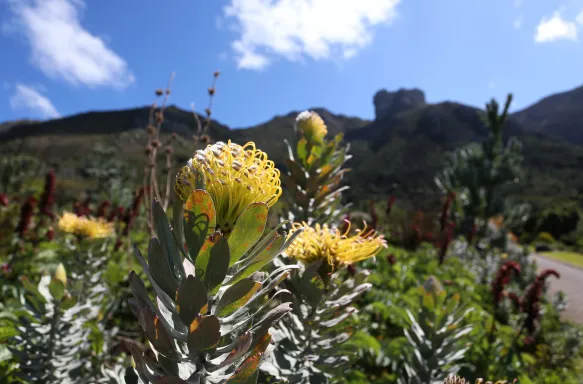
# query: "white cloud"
294,29
517,3
62,48
518,22
30,99
555,28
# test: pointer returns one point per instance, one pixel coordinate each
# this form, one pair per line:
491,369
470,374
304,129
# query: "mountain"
559,115
400,151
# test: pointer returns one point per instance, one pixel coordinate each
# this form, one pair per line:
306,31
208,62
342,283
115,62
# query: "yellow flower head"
235,176
311,126
337,249
84,226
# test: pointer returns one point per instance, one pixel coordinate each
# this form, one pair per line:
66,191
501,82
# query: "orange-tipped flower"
235,176
336,248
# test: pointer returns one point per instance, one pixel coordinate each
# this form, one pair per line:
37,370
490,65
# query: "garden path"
571,282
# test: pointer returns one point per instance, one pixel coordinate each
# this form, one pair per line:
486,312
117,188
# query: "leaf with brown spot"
259,261
236,296
248,229
203,334
199,220
245,370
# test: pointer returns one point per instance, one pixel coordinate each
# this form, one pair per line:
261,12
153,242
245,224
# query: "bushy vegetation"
198,271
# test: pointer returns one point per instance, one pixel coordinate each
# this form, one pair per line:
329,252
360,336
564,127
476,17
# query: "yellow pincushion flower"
235,176
311,126
337,249
84,226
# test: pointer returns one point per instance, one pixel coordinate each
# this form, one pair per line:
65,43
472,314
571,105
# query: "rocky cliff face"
389,103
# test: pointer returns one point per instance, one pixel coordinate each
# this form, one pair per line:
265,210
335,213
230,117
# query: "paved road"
571,282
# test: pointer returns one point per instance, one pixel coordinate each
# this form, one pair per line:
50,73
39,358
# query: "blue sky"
62,57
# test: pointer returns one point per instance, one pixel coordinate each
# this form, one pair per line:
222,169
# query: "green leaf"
211,267
199,221
57,289
167,240
259,261
68,302
7,333
178,222
32,289
33,295
236,296
302,149
203,334
248,229
160,269
297,172
191,299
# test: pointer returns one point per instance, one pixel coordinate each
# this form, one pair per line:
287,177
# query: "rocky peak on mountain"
388,103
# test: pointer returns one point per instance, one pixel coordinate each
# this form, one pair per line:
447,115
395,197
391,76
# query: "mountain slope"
400,151
559,115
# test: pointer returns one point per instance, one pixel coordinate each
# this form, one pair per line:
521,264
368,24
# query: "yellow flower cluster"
84,226
337,249
235,176
311,126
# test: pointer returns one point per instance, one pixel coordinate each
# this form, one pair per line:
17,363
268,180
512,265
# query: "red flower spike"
47,199
26,213
502,279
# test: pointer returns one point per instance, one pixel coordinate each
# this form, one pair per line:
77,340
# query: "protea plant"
210,317
434,334
50,332
309,340
315,171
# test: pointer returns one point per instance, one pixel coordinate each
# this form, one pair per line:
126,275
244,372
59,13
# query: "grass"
572,258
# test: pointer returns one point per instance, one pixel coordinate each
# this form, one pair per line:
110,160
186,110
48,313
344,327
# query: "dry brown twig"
202,136
151,186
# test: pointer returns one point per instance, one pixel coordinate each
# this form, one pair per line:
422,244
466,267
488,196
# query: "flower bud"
432,285
61,274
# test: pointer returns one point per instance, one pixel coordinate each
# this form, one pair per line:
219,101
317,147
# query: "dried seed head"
169,150
159,92
159,117
208,112
156,143
216,74
148,150
151,129
211,91
168,91
205,139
